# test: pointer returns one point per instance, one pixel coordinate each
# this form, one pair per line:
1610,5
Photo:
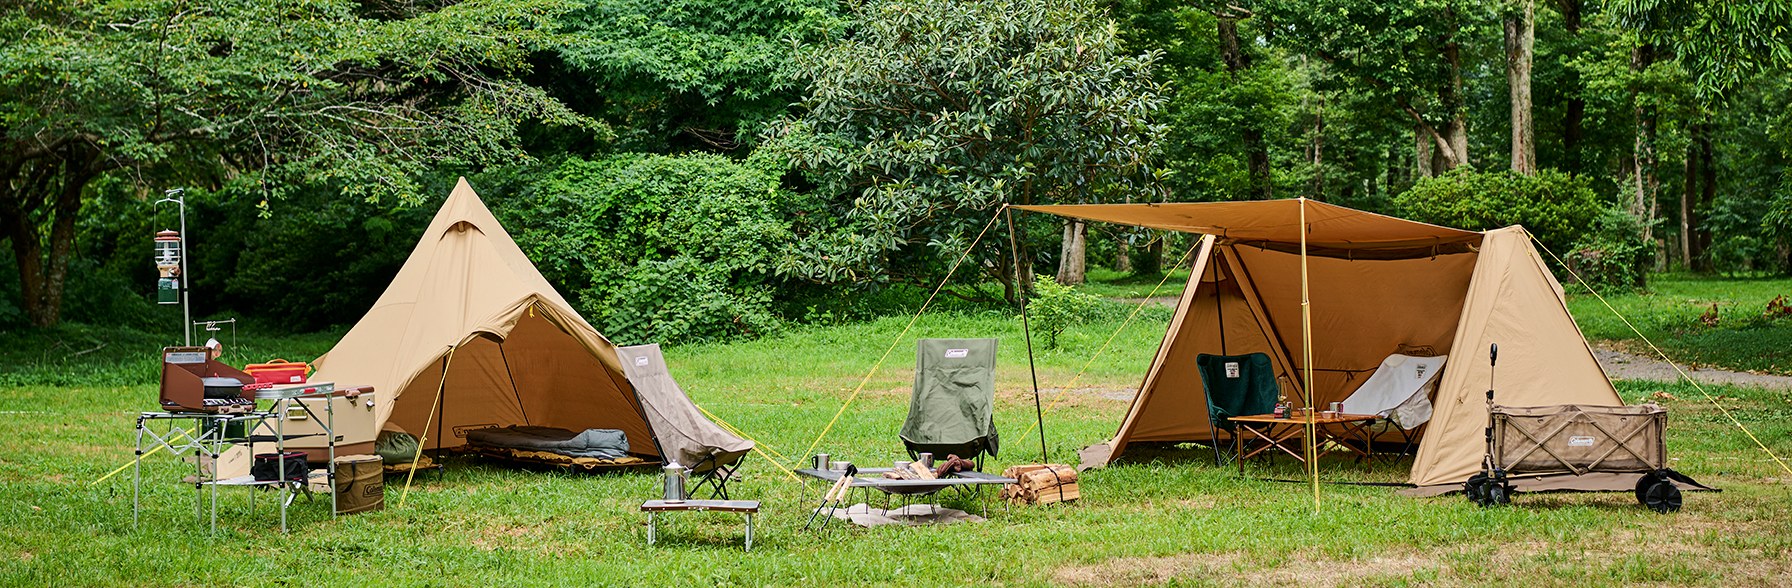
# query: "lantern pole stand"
178,196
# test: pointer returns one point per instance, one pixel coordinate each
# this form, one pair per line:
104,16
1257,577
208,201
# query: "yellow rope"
756,444
1104,346
911,324
1664,356
432,416
152,450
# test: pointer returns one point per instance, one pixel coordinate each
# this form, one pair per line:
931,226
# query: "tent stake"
1027,332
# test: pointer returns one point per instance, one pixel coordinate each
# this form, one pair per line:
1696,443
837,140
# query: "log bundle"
1041,484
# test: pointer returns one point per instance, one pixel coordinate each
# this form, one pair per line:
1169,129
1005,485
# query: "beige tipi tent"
1376,283
470,308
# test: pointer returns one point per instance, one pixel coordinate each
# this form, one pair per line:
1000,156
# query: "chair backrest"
952,410
1237,385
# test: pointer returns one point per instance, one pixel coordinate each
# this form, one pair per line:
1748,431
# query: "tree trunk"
1644,201
1708,165
1150,260
1070,263
1688,189
1422,154
1521,34
43,274
1319,151
1576,108
1256,151
1122,253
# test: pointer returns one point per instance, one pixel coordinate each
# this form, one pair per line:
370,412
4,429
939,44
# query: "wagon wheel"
1476,489
1655,492
1499,494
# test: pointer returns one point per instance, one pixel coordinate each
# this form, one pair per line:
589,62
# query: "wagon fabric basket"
1576,439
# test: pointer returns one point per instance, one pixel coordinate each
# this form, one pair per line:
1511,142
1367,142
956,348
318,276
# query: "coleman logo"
460,432
1232,369
641,361
1419,371
1580,441
373,490
957,352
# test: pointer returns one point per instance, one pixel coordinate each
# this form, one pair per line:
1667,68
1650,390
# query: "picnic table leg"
650,527
749,531
1238,449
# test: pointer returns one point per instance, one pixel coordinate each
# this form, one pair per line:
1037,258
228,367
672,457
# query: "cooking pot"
222,387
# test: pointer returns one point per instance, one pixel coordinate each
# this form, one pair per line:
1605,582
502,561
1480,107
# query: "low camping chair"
1399,392
713,473
952,410
1235,385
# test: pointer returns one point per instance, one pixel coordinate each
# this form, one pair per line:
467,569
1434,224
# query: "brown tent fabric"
685,434
468,301
1385,285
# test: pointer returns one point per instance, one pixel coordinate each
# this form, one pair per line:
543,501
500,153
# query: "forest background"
703,170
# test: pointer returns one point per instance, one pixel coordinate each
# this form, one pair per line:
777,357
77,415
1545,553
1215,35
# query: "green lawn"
1166,518
1672,314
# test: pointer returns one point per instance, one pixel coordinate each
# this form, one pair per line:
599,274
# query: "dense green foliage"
1554,207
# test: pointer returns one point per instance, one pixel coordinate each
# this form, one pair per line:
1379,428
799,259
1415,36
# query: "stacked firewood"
1041,484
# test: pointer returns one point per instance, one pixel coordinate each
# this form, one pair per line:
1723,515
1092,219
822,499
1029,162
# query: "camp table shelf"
1274,432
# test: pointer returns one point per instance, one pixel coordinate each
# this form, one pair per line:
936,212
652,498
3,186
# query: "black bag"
266,466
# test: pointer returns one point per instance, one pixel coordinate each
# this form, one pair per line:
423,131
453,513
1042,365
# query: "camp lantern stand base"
654,507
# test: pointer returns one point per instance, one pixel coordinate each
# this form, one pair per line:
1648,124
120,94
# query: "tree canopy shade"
254,92
929,113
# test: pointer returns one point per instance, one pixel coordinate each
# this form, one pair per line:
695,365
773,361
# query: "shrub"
681,299
1555,207
1613,255
1056,307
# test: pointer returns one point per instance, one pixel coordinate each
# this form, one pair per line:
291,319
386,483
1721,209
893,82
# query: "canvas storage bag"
360,484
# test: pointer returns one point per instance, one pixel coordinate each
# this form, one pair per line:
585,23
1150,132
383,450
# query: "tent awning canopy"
1273,222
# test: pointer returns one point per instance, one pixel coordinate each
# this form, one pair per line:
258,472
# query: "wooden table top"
1318,419
748,506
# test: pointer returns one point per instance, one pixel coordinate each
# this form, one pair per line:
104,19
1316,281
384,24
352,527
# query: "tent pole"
1027,331
440,386
1306,335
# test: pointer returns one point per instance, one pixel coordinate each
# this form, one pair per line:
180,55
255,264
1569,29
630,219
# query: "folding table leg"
749,531
651,522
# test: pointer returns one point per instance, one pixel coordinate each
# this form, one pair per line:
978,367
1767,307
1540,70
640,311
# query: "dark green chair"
952,411
1235,385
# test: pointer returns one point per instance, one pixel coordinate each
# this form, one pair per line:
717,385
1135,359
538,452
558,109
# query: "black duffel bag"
266,466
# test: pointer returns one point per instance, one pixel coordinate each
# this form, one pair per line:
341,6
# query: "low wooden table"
746,507
1276,432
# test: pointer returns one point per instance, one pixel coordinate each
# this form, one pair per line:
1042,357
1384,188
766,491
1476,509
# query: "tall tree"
264,92
1521,36
934,112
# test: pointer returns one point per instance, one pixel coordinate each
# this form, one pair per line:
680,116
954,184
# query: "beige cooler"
355,426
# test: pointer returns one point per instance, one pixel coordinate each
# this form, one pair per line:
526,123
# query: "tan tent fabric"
1381,295
520,354
1275,221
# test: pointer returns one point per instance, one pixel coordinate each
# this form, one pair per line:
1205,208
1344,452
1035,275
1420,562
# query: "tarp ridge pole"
1306,335
1027,333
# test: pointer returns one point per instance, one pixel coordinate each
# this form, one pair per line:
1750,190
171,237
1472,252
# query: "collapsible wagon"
1576,440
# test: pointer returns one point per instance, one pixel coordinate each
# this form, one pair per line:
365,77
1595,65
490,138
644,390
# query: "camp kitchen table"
967,480
1274,432
208,439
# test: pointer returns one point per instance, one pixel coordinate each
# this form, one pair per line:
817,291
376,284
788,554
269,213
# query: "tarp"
470,317
1378,285
686,435
952,410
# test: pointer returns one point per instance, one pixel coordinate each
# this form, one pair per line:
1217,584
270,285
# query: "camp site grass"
1168,517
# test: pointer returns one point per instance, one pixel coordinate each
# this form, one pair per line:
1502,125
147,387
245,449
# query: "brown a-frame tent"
469,308
1377,283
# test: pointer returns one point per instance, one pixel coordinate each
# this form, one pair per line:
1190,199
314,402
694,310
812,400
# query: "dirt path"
1624,366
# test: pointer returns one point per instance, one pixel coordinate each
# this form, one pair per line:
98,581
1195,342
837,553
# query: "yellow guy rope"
432,416
756,444
1104,346
152,450
911,324
1664,356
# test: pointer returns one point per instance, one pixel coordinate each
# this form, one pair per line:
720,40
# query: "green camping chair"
952,411
1235,385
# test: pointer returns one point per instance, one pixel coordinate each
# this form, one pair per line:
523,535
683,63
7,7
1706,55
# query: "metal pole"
178,196
1027,330
137,478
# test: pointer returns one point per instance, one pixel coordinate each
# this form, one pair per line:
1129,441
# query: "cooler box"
279,371
355,426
